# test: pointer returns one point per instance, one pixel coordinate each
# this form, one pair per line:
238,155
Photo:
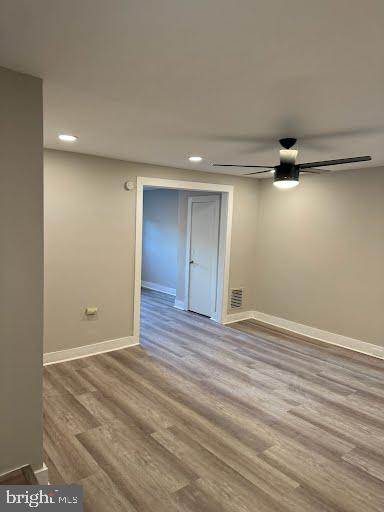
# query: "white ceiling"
158,80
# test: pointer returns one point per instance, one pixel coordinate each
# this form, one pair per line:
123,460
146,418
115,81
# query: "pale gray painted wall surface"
160,237
21,270
90,243
312,255
320,253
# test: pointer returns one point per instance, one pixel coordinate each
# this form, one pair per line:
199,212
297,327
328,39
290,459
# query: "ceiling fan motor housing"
286,172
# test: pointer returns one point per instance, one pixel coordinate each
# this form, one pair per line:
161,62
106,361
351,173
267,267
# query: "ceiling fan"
286,173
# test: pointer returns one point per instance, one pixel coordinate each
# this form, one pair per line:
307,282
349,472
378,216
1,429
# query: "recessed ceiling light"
67,138
195,158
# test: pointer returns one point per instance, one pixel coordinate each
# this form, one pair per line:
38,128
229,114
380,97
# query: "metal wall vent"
236,298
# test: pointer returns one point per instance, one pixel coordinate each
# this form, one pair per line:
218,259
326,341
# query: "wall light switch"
91,311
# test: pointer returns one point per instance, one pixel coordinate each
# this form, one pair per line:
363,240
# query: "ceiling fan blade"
325,163
314,170
256,172
239,165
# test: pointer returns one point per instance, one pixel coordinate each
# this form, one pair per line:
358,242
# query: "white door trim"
225,241
215,277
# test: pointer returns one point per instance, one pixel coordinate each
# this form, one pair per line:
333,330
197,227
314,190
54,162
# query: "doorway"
208,237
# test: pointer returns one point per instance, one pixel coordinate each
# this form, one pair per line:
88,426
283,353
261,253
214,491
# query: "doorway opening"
183,232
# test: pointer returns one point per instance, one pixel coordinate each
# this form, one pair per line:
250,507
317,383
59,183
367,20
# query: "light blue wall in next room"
160,237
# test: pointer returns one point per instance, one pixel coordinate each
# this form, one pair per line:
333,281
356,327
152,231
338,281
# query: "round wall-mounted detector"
129,185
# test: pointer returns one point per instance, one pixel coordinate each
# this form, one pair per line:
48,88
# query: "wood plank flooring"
207,418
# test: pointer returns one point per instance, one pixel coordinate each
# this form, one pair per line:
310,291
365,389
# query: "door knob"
191,262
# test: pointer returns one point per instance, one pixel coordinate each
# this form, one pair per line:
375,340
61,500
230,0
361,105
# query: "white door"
202,253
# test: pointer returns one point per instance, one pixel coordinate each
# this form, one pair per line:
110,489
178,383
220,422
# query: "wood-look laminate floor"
207,418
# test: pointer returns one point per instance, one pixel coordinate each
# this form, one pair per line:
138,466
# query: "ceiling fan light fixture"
286,176
286,184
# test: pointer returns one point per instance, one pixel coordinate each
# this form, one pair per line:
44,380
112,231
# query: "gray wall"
21,270
90,243
160,237
320,253
311,255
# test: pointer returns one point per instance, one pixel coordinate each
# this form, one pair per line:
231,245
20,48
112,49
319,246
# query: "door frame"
202,199
226,192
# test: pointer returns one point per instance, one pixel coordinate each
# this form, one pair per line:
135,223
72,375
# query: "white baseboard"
238,317
158,287
42,475
318,334
179,304
305,331
89,350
